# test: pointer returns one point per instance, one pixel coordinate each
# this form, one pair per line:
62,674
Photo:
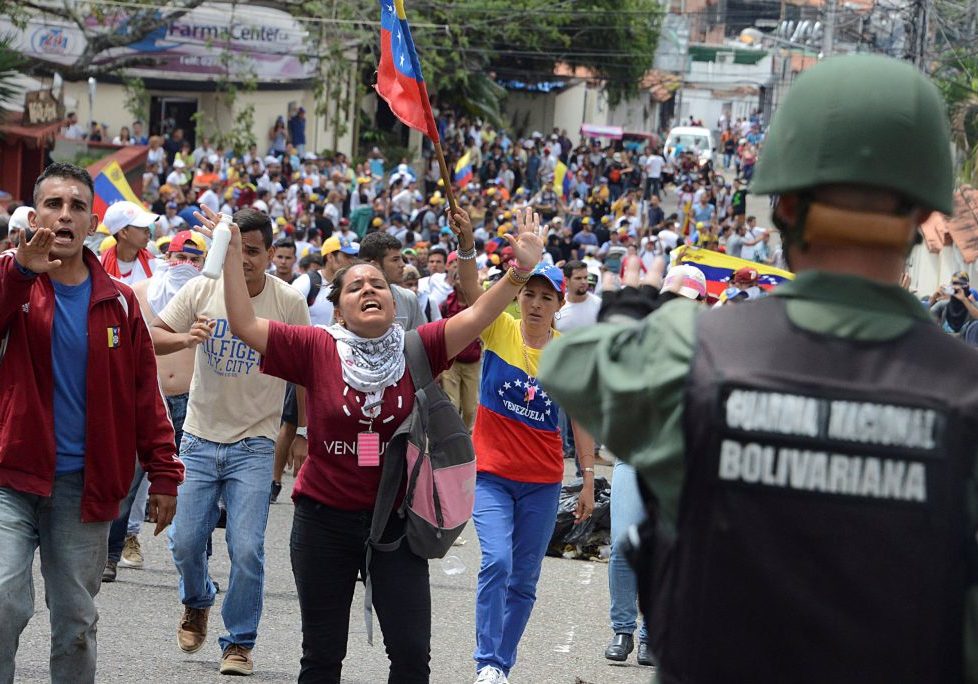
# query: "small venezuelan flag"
113,337
463,171
111,186
399,79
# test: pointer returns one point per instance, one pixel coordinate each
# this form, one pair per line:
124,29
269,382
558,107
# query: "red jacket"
126,412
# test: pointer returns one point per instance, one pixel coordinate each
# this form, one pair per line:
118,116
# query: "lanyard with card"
368,441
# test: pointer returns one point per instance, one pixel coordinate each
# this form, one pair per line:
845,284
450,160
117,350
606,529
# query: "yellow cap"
441,182
699,224
161,243
106,244
377,222
280,220
586,220
507,215
102,229
605,219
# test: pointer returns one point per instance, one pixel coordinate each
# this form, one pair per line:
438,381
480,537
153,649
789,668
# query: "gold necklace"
531,381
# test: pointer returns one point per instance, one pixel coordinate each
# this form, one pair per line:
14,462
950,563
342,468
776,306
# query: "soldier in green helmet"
808,459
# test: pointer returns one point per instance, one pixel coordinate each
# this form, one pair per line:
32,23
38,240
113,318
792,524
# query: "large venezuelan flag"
719,268
111,186
399,79
463,171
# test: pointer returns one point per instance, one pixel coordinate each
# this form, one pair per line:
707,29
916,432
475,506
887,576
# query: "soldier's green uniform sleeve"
624,383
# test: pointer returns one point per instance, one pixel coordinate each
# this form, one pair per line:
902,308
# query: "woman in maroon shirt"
354,374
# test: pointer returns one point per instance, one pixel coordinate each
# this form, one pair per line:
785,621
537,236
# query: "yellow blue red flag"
399,79
463,170
719,268
111,186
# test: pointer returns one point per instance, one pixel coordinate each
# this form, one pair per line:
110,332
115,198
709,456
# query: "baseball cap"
960,277
745,276
338,244
18,219
446,231
685,280
189,242
123,214
554,275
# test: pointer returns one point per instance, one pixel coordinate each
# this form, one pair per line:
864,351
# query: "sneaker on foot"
192,632
236,660
109,573
491,675
276,490
132,553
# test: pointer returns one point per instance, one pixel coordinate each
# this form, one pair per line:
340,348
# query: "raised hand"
209,220
528,246
461,225
35,254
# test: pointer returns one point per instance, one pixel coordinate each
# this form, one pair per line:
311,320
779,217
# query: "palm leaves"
10,66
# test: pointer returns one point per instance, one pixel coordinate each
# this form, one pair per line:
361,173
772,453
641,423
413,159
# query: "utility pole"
921,27
828,35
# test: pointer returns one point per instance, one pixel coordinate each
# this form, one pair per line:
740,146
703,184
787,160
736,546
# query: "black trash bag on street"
587,539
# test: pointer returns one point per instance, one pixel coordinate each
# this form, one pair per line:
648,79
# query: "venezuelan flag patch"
113,337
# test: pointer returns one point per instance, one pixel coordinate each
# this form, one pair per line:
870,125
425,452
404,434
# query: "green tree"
10,66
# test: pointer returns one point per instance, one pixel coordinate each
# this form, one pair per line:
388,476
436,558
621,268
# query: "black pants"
328,550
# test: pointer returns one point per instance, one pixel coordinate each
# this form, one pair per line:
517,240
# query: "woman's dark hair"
340,277
249,220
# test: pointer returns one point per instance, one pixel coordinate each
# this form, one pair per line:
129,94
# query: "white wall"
110,109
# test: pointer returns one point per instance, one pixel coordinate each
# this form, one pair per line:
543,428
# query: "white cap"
311,156
18,220
271,159
260,205
123,214
685,280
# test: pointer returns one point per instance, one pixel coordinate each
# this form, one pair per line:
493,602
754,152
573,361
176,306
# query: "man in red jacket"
78,397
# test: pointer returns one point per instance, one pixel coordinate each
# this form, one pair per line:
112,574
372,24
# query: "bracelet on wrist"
518,279
302,431
467,254
588,469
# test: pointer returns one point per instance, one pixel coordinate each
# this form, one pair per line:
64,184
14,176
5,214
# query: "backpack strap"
393,468
315,284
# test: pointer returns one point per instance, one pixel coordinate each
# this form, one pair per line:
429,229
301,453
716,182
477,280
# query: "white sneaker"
491,675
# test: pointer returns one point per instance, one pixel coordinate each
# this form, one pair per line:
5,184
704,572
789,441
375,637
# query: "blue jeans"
72,560
133,507
514,521
239,474
627,509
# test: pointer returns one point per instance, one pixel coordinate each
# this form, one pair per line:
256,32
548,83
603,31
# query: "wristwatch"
302,432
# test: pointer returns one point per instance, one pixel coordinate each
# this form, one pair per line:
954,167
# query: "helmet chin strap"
825,225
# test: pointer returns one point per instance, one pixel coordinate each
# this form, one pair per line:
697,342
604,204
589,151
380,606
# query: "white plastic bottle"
214,264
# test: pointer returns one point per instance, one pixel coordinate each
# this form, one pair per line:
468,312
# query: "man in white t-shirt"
131,226
315,286
211,198
233,417
654,164
580,309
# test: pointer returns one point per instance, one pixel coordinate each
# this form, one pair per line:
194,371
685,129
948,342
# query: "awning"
596,131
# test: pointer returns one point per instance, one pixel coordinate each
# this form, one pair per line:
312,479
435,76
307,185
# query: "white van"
692,138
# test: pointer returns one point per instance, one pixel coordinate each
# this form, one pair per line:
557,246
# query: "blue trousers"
627,509
239,473
514,521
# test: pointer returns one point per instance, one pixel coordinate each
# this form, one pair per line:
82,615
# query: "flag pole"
445,176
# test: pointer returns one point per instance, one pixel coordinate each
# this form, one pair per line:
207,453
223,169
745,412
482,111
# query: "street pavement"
563,644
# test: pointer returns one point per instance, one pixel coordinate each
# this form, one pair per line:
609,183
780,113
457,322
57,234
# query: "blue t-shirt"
69,361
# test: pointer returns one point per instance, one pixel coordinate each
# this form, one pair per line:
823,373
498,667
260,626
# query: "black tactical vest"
822,534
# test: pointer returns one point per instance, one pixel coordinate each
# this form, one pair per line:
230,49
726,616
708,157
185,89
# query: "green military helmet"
861,119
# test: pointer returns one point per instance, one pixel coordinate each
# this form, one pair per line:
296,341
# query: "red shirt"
307,356
450,307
